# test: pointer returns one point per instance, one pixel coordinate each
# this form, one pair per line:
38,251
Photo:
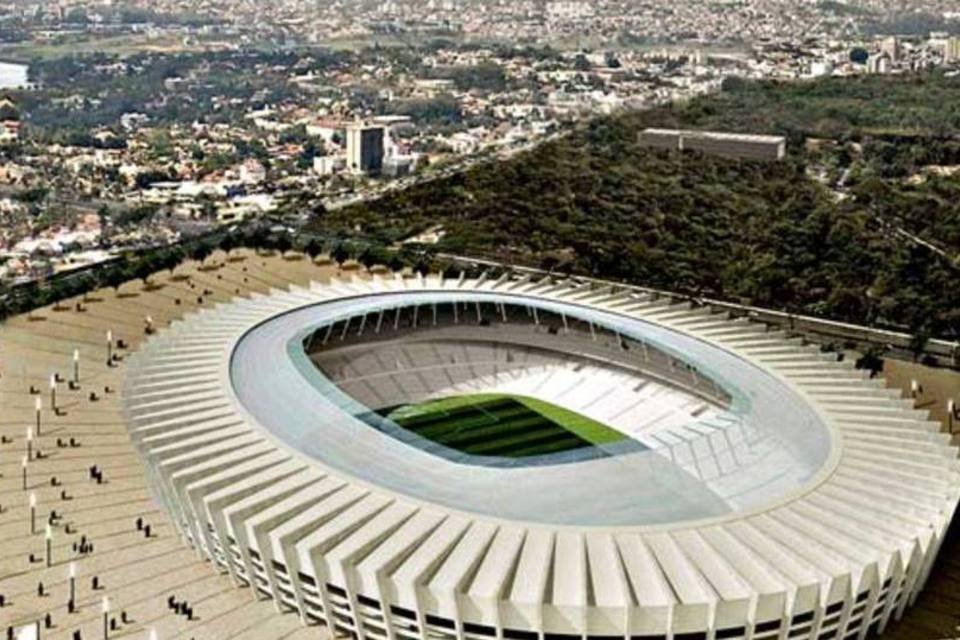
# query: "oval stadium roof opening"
684,457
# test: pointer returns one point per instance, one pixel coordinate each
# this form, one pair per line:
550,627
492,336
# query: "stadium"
510,457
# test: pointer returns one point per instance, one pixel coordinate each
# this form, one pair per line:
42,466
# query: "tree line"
144,264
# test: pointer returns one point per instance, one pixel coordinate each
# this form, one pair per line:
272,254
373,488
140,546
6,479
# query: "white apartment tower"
365,148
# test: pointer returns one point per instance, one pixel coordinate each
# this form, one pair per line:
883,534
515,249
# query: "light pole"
109,347
48,537
73,585
33,513
106,617
53,393
76,366
29,443
23,465
38,407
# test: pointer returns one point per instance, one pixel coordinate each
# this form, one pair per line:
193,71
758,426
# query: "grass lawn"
502,425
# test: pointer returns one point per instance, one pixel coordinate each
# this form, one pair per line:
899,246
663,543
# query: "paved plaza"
137,574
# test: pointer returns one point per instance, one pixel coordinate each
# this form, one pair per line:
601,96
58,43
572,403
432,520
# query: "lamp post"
33,513
73,585
53,394
76,366
106,617
29,443
109,347
48,538
23,466
38,407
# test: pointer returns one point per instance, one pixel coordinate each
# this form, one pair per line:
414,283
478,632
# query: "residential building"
365,148
951,52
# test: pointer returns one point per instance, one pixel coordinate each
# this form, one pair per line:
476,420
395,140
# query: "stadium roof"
828,504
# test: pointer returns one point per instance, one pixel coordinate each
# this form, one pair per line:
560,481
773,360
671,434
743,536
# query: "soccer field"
501,425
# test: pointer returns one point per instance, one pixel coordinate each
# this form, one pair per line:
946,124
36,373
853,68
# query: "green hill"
769,234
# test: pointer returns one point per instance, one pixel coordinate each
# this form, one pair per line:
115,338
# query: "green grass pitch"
501,425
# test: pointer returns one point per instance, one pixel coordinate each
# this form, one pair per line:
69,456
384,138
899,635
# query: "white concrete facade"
844,555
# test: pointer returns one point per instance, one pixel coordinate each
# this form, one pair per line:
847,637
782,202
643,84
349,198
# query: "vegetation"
778,235
486,76
921,105
80,93
130,266
443,109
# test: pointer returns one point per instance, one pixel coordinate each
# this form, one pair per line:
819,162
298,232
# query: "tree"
306,156
340,254
258,238
313,248
9,112
228,243
294,135
173,257
284,243
442,109
486,76
395,263
918,342
375,254
83,283
201,251
117,274
144,268
859,55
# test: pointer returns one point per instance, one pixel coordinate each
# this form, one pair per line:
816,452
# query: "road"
457,167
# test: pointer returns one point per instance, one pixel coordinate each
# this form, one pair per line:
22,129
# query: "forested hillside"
825,232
